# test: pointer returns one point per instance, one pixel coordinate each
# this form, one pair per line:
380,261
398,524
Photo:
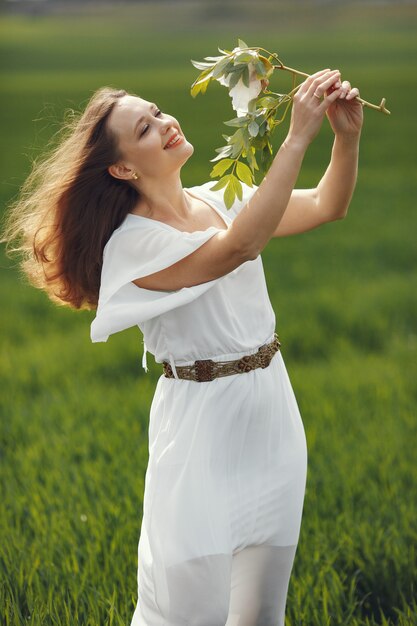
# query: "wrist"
348,139
295,143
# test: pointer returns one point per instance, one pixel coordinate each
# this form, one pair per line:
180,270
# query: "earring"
135,176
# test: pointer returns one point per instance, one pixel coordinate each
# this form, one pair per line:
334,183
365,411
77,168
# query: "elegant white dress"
227,458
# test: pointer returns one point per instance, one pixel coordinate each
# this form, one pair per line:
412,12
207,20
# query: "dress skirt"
227,469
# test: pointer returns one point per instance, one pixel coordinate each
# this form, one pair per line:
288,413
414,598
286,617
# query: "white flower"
240,94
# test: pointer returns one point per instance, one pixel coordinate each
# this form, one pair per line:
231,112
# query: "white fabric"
245,589
142,246
227,458
259,584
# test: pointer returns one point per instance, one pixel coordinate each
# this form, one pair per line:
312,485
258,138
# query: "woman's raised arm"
257,221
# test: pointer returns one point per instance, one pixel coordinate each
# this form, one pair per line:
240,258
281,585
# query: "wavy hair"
68,207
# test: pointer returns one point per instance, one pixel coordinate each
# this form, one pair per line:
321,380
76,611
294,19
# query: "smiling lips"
176,139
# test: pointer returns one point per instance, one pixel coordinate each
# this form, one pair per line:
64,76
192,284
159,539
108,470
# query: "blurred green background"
74,415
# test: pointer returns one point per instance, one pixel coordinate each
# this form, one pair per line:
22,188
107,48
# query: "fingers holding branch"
322,84
305,85
325,82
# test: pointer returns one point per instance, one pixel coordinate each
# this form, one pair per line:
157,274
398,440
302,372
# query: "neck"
164,199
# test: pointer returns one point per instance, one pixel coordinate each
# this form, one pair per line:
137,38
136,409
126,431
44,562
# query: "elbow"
240,248
249,253
342,215
339,215
252,254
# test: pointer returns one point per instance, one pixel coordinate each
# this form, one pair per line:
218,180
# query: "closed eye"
147,125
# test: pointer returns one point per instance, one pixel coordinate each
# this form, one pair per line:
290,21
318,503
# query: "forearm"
255,224
335,189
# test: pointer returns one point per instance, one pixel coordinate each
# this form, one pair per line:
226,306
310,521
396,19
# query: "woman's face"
143,132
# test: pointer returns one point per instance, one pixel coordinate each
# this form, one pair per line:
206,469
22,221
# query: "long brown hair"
69,206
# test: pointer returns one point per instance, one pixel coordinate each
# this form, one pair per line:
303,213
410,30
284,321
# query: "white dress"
227,458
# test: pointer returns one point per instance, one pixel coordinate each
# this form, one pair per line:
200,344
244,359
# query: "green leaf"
221,183
237,142
252,161
214,58
195,90
260,69
244,173
207,73
224,51
228,151
237,185
256,166
237,137
201,83
236,151
268,102
246,139
234,79
203,86
272,123
200,65
266,157
242,44
244,57
236,121
229,194
269,68
245,76
220,168
252,105
200,86
262,129
222,149
220,67
260,118
238,67
253,129
258,142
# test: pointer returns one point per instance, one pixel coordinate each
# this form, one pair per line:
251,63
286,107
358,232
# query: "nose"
167,125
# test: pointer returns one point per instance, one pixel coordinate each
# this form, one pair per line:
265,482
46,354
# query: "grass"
73,432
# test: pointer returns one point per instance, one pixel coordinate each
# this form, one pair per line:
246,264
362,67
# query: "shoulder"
132,230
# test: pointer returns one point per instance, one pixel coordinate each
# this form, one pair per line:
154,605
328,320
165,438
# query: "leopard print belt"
207,370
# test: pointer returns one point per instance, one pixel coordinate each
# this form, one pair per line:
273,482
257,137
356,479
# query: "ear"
117,170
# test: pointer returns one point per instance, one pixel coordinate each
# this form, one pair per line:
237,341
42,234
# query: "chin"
188,150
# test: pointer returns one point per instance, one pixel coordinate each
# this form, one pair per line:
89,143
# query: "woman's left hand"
345,114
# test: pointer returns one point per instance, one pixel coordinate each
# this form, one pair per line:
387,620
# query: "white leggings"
246,589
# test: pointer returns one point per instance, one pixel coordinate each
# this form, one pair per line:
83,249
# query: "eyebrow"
152,106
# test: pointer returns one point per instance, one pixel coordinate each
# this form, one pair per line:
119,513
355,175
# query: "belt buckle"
205,370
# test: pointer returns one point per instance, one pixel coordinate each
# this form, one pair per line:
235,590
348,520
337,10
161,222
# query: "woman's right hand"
308,111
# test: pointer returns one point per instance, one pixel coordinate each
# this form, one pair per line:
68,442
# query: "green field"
74,415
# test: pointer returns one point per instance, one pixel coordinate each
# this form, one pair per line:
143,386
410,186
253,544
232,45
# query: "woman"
105,223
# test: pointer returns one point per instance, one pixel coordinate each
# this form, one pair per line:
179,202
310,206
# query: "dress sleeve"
135,250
